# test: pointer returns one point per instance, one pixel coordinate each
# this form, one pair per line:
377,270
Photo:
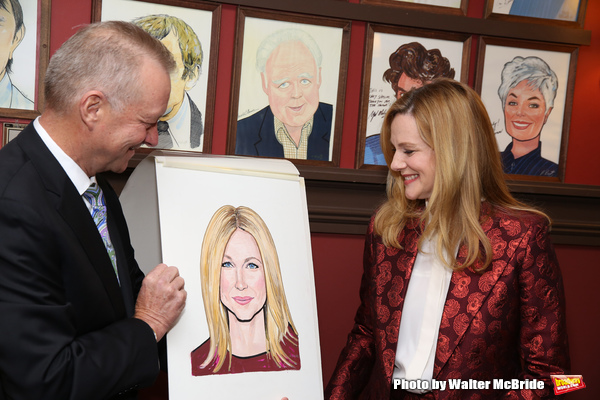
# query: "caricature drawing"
527,91
295,124
12,32
181,127
411,66
249,322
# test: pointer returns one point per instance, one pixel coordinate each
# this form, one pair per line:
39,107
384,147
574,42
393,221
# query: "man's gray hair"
536,71
272,41
105,56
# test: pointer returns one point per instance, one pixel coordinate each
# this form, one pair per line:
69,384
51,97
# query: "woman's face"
413,158
525,112
243,289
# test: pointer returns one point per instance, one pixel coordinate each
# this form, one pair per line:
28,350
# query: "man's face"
291,81
178,85
8,39
405,84
122,132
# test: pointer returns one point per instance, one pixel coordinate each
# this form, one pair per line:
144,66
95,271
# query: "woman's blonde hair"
222,225
453,121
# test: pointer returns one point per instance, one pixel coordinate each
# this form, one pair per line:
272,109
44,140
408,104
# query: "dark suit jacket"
256,135
67,331
508,322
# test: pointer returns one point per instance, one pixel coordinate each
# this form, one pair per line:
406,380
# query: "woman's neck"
248,338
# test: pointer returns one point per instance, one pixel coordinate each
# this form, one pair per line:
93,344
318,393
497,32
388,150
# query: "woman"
460,279
527,92
249,322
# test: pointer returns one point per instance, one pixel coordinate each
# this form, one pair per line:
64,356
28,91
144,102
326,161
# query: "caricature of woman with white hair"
249,322
527,91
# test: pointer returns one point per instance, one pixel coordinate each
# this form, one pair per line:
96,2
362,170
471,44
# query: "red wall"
338,258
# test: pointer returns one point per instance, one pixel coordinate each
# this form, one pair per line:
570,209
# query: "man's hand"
161,299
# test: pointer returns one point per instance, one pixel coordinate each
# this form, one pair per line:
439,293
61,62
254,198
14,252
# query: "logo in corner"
567,383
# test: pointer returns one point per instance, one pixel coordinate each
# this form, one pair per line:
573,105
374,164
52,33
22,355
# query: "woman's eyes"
228,264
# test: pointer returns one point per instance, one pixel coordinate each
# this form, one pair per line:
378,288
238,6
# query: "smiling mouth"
409,178
243,300
521,125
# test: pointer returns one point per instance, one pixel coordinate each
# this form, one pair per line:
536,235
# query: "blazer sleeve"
355,363
543,342
45,352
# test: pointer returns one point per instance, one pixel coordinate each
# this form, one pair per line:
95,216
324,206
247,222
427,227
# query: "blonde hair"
453,121
222,225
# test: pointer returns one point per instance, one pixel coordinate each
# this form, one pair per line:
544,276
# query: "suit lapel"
72,209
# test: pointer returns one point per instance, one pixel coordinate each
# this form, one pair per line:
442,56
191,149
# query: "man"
411,66
182,127
79,320
11,35
294,124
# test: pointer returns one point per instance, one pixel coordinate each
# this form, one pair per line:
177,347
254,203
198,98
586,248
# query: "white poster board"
188,191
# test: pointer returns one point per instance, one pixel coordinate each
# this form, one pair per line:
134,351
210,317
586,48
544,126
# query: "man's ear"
319,77
265,86
192,79
17,39
92,107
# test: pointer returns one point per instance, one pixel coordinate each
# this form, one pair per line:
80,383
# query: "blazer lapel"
468,292
70,206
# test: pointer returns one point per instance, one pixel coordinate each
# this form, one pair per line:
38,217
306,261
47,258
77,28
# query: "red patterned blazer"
505,323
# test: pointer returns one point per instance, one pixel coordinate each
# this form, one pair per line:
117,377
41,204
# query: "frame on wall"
194,100
256,101
567,13
525,110
25,86
10,131
454,7
449,53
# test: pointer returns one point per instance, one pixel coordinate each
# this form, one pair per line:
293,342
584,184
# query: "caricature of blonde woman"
249,322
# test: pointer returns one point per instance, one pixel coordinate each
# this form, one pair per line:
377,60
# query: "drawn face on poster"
18,33
244,298
245,257
565,10
401,63
187,34
524,91
288,90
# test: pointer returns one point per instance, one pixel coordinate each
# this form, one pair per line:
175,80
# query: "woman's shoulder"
524,218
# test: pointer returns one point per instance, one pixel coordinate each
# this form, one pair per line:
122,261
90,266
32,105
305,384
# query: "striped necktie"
96,198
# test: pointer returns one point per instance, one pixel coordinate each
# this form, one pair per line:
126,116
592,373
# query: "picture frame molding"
42,59
462,10
208,114
370,31
337,125
485,41
578,23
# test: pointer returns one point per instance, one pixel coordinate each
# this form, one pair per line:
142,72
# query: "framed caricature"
457,7
557,12
190,30
398,59
10,131
527,88
288,86
25,50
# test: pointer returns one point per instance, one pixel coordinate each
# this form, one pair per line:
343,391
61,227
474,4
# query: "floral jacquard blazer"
505,323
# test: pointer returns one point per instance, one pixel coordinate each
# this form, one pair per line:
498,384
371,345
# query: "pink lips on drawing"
243,300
